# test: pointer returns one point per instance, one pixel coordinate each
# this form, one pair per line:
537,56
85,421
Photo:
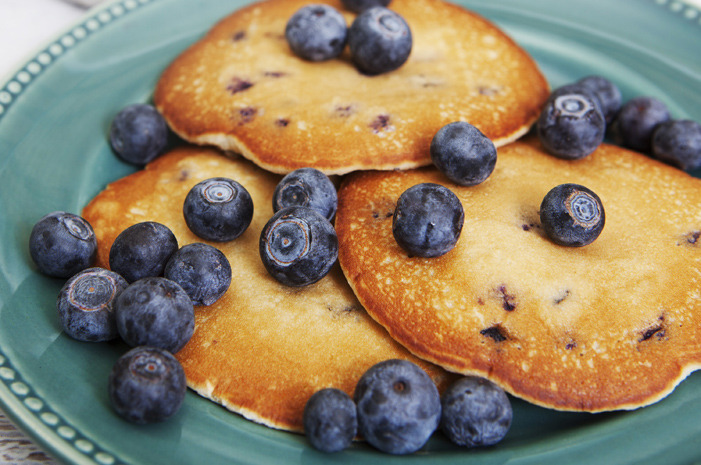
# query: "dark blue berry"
571,125
475,412
218,209
147,385
572,215
316,32
86,305
62,244
678,142
428,220
399,407
379,40
202,271
139,134
306,187
298,246
330,420
155,312
607,92
463,154
635,123
358,6
142,250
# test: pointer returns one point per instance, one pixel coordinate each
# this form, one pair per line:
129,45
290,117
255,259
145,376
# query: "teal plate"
54,117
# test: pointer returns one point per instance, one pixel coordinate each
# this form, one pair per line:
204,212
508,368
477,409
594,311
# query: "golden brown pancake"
612,325
242,89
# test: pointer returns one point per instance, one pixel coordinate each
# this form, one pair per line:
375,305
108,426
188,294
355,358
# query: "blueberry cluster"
379,39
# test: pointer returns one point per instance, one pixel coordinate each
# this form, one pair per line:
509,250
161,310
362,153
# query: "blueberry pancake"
610,325
242,89
263,348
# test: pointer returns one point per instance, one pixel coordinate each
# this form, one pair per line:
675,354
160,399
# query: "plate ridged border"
682,8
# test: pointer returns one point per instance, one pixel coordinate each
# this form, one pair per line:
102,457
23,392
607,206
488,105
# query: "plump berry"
330,420
399,407
155,312
572,215
201,270
85,304
298,246
358,6
316,32
678,142
571,125
138,134
475,412
218,209
142,250
147,385
635,123
62,244
463,154
306,187
428,220
379,40
607,92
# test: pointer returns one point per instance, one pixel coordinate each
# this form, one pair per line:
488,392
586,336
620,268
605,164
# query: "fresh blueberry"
678,142
428,220
475,412
201,270
399,407
316,32
155,312
379,40
635,123
306,187
62,244
572,215
218,209
358,6
330,420
571,125
607,92
138,134
147,385
298,246
85,305
463,154
142,250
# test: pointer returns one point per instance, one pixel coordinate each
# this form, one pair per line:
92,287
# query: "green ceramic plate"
54,116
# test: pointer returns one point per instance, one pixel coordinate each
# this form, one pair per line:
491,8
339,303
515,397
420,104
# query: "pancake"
610,326
263,348
242,89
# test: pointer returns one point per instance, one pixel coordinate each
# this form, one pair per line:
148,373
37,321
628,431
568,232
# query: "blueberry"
572,215
316,32
571,124
475,412
678,142
201,270
399,407
608,94
142,250
330,420
155,312
635,123
358,6
62,244
379,40
463,154
147,385
138,134
428,220
298,246
306,187
218,209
